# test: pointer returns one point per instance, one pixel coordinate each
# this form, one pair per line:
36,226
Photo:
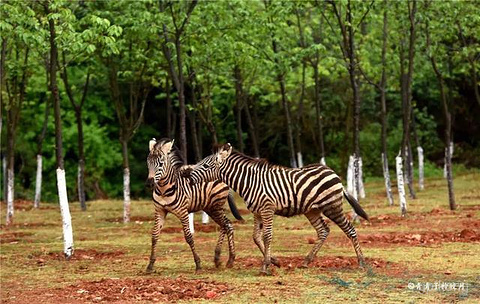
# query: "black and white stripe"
174,194
270,189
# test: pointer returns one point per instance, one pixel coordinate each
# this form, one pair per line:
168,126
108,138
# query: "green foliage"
222,35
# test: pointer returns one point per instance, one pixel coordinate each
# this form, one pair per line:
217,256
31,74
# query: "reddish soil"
132,219
150,290
325,262
143,290
420,238
25,205
198,228
13,237
79,255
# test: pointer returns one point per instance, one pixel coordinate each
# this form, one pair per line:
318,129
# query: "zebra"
270,189
174,194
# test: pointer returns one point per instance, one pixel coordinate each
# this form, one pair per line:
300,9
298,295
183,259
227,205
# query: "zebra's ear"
152,143
166,147
224,152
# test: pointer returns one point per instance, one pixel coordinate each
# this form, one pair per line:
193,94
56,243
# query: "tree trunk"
400,185
407,96
10,195
41,137
81,161
169,110
299,120
252,128
239,98
383,102
61,183
38,182
2,89
126,182
318,110
286,108
448,129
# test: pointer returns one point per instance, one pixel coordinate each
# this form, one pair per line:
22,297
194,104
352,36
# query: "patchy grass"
431,245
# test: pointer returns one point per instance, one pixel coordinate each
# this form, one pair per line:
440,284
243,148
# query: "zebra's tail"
356,206
233,207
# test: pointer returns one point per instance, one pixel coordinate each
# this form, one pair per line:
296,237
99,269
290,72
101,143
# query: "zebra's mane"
260,161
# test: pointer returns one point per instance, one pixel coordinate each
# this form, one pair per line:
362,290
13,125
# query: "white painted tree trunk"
205,218
190,222
401,185
322,161
4,168
10,196
420,168
38,182
360,178
65,212
350,176
445,160
386,177
299,159
126,195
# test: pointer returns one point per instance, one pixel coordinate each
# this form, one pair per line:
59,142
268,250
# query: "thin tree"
406,77
40,139
382,88
175,69
129,120
61,182
16,93
347,46
280,78
78,107
448,120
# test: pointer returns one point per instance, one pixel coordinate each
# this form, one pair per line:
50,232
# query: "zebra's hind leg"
314,216
267,220
337,216
157,227
257,237
218,215
189,238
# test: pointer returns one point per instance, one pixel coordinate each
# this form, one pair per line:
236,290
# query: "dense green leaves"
221,35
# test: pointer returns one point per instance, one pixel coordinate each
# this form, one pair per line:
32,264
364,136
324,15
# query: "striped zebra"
174,194
270,189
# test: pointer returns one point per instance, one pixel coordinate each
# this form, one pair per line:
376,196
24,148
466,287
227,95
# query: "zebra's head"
158,160
208,169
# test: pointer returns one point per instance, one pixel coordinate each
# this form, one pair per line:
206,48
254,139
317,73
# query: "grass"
28,246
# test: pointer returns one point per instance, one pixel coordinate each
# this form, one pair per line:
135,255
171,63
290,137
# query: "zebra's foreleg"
267,220
314,216
189,239
258,238
336,215
160,215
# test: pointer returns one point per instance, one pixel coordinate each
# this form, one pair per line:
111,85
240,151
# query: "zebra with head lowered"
174,194
270,189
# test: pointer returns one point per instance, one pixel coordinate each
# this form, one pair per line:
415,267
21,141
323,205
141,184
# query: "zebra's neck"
237,172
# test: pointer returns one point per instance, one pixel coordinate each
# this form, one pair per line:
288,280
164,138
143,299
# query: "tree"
176,70
347,46
433,54
16,69
52,15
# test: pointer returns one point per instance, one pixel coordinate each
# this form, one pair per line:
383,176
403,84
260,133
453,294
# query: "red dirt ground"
127,291
326,263
13,237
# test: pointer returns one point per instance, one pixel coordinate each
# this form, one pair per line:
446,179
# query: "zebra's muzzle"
149,183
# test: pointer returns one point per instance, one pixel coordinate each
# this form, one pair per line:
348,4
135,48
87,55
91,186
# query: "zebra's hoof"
229,264
275,262
362,264
149,270
217,264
